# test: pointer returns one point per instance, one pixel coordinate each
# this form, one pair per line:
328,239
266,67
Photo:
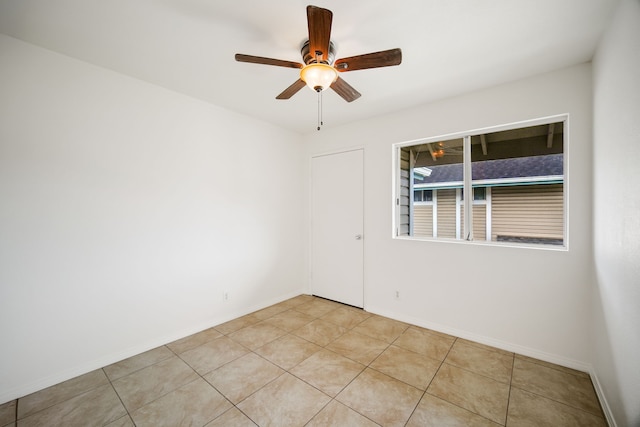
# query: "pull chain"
319,109
320,121
319,90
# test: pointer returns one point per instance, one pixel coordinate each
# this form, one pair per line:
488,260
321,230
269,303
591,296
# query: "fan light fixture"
319,67
318,76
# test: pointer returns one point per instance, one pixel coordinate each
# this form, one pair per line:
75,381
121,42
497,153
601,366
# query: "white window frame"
467,184
423,203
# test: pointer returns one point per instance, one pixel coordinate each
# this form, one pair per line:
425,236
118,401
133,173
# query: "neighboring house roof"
506,170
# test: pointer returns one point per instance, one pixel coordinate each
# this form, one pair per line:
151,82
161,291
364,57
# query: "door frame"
310,213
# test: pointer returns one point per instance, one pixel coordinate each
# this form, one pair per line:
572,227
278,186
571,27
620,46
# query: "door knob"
358,236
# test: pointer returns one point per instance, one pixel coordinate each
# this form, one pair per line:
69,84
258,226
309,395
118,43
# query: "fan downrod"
309,57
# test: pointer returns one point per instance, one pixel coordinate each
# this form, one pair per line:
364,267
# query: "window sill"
545,247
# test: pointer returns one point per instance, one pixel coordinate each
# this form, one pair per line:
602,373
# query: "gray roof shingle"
518,167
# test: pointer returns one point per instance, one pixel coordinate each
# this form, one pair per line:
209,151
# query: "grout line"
119,398
513,364
447,401
601,415
559,368
461,407
416,407
77,394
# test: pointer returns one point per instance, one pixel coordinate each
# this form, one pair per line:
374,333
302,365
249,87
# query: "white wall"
616,300
532,301
126,211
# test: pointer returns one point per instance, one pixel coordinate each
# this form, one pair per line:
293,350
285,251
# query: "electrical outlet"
397,294
225,296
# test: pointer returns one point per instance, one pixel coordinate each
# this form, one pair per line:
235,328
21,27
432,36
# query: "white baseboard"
515,348
608,414
58,377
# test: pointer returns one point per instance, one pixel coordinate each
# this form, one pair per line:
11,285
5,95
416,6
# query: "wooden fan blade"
319,23
267,61
345,90
292,90
385,58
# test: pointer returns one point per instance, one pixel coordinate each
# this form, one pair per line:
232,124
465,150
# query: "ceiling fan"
320,69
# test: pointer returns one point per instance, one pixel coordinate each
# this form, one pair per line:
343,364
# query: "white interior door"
337,248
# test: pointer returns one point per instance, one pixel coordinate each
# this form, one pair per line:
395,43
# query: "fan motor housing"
310,57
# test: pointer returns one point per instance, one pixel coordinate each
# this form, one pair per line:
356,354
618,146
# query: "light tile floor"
312,362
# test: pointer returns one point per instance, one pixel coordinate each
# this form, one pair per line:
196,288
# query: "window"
515,173
422,196
479,193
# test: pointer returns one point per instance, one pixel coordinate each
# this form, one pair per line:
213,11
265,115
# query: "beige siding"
479,221
527,211
447,213
404,200
423,220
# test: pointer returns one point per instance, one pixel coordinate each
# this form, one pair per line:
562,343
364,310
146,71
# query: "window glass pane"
479,193
437,166
524,169
517,176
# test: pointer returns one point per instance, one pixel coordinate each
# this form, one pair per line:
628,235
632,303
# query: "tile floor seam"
294,336
237,342
484,376
452,403
59,403
331,399
366,336
62,401
334,398
349,329
260,388
378,356
212,386
279,376
226,363
159,397
414,352
417,404
241,411
513,364
15,419
506,415
309,341
398,379
600,415
475,373
344,404
354,410
439,366
436,374
140,369
566,370
233,405
462,407
119,398
308,383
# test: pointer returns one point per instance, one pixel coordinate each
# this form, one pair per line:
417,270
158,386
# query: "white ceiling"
449,46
